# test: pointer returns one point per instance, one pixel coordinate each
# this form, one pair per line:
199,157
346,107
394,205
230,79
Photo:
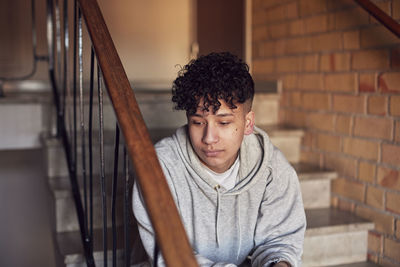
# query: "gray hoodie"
262,216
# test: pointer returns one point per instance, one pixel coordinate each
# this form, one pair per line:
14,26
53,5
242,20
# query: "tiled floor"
25,228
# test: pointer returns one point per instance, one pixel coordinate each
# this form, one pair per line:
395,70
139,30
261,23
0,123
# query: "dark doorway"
220,26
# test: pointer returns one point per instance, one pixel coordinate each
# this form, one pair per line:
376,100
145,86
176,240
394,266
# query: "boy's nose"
210,135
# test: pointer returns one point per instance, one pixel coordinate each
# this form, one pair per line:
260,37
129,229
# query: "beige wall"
151,36
341,82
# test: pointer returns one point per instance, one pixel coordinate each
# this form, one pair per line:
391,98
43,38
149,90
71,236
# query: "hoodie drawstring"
240,233
217,187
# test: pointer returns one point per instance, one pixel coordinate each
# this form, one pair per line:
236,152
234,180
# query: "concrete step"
24,116
71,249
358,264
335,237
315,184
65,212
286,138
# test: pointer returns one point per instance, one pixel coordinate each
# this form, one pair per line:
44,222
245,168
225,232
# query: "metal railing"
74,100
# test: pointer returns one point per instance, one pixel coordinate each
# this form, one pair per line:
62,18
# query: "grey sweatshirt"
261,217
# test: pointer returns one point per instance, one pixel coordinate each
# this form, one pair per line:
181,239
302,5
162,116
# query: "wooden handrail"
160,205
381,16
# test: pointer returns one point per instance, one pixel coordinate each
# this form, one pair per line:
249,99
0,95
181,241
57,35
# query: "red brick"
395,105
397,132
367,82
335,62
334,5
327,41
370,60
290,81
311,82
388,178
295,118
383,6
296,27
343,124
310,157
288,64
383,222
349,103
391,154
395,58
374,242
398,229
391,249
308,140
316,101
351,18
374,127
375,197
281,12
308,7
263,66
346,82
377,105
345,166
320,121
377,36
396,9
349,189
310,63
271,48
328,142
316,24
298,45
351,39
361,148
259,17
296,99
278,30
259,33
393,202
389,82
366,171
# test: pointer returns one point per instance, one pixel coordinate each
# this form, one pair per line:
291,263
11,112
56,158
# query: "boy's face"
216,137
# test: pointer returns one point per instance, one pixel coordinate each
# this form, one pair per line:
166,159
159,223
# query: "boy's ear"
249,123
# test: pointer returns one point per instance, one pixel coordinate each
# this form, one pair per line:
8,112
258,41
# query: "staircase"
333,237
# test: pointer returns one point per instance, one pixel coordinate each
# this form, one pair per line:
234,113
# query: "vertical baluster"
66,48
82,121
114,195
126,210
74,137
91,149
102,167
58,39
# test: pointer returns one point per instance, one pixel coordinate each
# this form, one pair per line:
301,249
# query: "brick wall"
341,82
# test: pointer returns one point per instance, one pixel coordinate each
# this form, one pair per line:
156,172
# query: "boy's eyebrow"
218,115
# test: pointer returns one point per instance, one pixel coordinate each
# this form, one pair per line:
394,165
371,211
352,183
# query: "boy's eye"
197,122
225,122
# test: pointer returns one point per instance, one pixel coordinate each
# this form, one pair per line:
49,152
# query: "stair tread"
306,171
358,264
331,220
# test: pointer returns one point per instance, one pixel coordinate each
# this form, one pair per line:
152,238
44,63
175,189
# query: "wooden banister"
381,16
160,205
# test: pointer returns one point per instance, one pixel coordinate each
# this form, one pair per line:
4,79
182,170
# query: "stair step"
358,264
315,184
24,116
71,249
266,108
287,139
335,237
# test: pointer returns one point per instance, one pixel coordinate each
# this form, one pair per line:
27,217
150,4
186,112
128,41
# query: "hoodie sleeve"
279,233
147,233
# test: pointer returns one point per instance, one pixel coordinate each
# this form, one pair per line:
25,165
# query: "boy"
237,195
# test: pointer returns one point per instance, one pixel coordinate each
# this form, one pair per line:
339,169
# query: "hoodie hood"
254,154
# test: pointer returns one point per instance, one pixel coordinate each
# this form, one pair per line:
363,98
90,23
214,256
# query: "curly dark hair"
214,77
